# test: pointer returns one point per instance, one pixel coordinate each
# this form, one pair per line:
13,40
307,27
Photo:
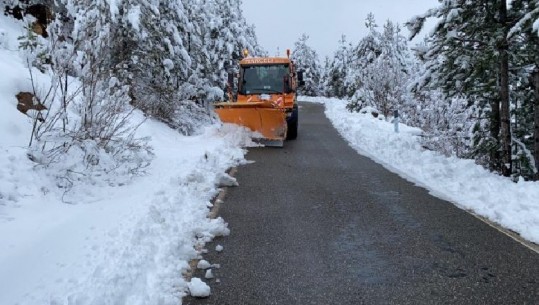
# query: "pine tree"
306,60
525,80
363,55
338,70
469,57
325,77
174,55
381,69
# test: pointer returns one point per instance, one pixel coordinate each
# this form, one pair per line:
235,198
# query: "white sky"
279,23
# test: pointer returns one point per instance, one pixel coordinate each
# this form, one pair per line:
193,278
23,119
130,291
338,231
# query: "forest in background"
472,85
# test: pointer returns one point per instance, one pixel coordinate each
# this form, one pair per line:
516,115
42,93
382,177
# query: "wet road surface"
316,223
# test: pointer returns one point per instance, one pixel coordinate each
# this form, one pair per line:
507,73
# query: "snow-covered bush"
87,128
104,59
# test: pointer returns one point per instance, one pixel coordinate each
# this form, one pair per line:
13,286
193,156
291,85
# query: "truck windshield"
264,79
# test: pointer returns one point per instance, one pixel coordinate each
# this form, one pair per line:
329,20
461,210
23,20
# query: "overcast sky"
279,23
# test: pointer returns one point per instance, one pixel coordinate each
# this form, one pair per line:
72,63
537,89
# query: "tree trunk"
495,134
535,78
505,130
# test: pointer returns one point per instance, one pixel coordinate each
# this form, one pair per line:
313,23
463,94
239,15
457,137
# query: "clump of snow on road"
512,205
198,288
203,264
209,274
225,180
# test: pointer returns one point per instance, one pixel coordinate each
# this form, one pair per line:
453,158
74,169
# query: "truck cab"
265,99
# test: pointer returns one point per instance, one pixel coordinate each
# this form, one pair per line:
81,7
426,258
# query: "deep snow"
514,206
118,245
109,243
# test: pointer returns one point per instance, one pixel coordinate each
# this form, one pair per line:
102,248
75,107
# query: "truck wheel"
292,133
292,130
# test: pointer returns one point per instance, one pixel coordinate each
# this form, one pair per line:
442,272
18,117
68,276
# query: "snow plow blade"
261,117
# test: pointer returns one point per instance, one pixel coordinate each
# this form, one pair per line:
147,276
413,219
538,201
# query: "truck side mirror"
301,82
286,84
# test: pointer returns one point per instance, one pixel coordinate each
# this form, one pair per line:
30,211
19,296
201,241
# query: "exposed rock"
41,12
44,16
27,101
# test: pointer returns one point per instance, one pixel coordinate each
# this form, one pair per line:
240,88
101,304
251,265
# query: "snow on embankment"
513,205
120,243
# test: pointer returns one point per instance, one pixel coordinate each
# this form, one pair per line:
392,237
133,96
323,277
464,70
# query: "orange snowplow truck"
265,100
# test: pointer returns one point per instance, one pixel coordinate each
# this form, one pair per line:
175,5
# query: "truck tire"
292,123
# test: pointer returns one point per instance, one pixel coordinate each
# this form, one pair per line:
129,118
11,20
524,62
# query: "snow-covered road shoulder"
514,206
103,236
119,245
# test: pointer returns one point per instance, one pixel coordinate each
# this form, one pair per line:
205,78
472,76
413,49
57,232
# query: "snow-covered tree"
338,70
469,57
381,69
174,55
223,35
447,123
155,57
363,54
525,87
306,60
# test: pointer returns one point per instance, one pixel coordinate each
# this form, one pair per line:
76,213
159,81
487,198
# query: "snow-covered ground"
130,243
115,245
125,243
514,206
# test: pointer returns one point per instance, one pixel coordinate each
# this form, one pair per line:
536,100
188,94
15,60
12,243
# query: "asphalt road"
316,223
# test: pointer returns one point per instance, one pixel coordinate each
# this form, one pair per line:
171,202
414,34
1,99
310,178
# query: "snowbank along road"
316,223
